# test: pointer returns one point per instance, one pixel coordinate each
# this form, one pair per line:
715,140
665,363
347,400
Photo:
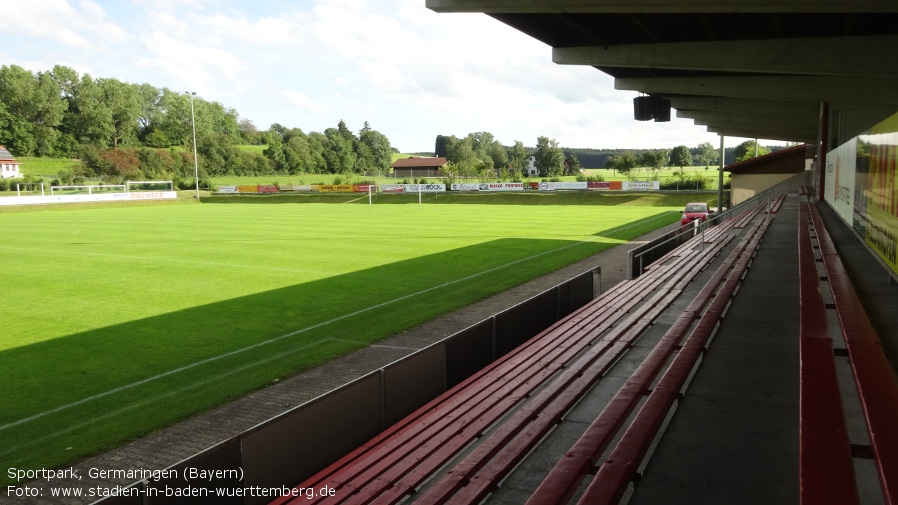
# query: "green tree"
341,153
573,164
749,149
707,154
148,99
297,153
276,155
653,161
680,156
248,132
498,155
623,163
379,147
481,143
549,157
460,154
124,105
174,119
36,101
517,159
440,144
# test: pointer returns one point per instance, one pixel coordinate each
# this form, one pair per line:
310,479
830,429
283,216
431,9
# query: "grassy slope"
105,297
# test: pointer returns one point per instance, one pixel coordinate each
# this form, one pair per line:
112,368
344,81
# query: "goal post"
87,190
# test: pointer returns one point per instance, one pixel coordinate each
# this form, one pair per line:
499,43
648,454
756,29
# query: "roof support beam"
745,105
659,6
800,56
880,90
771,134
709,118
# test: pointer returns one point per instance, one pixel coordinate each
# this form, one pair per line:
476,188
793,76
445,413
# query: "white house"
532,171
9,165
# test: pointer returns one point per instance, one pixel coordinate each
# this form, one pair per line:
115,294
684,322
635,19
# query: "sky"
411,73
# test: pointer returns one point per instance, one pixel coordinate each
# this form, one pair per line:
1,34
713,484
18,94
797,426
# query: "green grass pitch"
119,319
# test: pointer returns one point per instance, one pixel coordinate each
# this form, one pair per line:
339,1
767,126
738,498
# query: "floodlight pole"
196,165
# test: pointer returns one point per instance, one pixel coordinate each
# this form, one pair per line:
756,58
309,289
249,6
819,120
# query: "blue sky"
411,73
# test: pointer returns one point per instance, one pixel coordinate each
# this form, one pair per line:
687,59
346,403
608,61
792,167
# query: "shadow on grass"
70,397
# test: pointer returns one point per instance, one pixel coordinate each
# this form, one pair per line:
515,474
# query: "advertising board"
501,186
861,185
641,185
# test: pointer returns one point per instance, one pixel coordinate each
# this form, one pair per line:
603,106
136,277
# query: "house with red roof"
755,175
9,165
419,166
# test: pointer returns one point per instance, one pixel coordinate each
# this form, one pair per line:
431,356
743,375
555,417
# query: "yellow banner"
332,188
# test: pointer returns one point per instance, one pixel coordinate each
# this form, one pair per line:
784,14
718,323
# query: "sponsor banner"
502,186
424,188
268,188
840,178
875,205
332,188
566,185
641,185
598,185
102,197
151,195
392,188
466,187
365,188
227,189
301,187
247,189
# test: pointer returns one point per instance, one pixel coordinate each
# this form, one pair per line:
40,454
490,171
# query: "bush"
686,183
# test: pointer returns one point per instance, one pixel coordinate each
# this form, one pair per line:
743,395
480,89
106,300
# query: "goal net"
131,186
87,190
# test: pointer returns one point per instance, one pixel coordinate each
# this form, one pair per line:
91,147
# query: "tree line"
124,131
121,130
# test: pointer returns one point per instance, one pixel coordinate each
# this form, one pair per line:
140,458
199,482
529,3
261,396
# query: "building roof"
7,156
419,162
787,160
748,68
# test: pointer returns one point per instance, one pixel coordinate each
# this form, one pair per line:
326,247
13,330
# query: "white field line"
300,331
167,394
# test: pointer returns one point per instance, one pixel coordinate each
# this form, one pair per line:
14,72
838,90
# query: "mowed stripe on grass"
107,298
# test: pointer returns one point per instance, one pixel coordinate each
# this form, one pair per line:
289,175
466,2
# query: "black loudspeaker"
651,107
641,108
661,110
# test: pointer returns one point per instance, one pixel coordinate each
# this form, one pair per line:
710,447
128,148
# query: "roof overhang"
734,66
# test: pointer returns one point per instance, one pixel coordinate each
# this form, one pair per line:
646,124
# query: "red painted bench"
775,206
615,474
873,376
395,463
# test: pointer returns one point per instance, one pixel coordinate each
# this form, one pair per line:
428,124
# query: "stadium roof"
744,68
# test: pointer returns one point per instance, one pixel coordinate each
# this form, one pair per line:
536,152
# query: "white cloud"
408,71
302,101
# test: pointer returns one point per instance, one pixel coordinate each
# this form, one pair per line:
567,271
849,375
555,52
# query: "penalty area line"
294,333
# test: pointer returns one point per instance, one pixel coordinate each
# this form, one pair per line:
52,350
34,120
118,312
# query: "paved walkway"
178,442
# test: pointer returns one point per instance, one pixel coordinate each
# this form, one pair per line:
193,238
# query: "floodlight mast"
196,166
